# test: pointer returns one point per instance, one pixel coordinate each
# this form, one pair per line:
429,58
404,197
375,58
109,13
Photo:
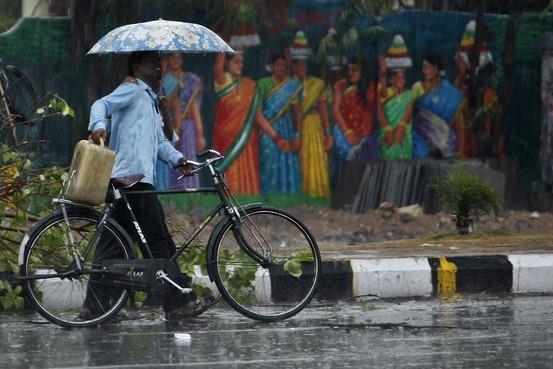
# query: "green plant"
466,195
293,265
25,193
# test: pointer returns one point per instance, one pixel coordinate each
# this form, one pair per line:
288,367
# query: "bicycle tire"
76,300
282,287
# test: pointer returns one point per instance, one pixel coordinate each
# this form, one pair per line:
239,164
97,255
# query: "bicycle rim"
80,299
286,283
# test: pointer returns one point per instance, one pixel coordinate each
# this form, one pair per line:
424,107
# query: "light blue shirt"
136,130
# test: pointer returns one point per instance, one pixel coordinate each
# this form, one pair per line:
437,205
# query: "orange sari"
234,135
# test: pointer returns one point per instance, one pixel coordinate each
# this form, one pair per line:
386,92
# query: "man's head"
145,65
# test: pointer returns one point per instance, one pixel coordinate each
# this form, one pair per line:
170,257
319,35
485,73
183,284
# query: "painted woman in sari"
184,91
353,107
395,104
278,119
316,140
438,123
315,133
234,132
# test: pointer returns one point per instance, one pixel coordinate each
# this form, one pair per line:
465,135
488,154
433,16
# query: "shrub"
466,195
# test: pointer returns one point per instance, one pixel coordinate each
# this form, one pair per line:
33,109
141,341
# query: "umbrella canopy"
160,35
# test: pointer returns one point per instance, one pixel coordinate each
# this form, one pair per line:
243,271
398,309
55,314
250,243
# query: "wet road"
472,332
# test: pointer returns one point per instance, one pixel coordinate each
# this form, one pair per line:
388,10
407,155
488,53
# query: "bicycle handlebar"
207,163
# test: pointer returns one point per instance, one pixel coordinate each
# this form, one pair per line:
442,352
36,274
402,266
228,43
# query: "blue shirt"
136,130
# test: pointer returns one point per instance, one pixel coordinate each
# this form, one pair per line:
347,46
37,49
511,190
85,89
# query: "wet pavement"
477,331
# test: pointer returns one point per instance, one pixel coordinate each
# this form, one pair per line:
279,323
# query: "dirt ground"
336,226
342,226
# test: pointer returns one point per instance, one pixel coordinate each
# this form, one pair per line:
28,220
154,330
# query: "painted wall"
40,47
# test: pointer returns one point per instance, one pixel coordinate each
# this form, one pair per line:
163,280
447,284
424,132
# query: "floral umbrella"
160,35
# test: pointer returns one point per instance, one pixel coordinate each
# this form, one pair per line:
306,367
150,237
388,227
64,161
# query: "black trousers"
149,215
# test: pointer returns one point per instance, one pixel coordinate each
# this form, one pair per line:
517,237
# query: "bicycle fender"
210,251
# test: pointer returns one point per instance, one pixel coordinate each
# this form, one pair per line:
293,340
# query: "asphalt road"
477,331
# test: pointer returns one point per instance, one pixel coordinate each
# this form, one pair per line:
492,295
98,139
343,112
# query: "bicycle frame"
231,211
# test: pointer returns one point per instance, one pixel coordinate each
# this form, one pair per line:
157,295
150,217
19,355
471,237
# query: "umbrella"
160,35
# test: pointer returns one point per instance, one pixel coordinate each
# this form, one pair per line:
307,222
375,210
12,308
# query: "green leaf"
293,267
19,303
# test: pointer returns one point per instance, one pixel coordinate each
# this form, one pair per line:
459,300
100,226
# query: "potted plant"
466,195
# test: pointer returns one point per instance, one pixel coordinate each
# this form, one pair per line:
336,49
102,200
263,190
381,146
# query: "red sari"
357,114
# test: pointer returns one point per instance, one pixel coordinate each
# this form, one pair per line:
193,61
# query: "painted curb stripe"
476,274
532,273
391,277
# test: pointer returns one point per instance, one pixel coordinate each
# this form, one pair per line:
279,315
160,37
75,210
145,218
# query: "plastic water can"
90,173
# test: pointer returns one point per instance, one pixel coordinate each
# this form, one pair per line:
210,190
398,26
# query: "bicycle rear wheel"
60,293
285,282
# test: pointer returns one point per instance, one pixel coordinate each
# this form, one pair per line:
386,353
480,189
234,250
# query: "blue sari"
433,133
280,171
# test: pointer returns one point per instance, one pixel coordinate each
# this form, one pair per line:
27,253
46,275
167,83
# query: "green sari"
394,109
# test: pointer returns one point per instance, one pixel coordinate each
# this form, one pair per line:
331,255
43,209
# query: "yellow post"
447,277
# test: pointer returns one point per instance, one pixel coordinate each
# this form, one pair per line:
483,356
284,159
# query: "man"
136,133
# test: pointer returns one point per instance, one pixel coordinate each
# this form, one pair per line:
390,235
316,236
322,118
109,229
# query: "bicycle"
17,105
265,263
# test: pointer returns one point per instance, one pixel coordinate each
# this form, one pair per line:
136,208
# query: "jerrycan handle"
102,143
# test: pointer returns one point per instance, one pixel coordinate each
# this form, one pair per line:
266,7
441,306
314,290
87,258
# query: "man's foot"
189,309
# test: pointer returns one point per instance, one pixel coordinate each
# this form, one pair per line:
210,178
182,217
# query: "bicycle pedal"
162,276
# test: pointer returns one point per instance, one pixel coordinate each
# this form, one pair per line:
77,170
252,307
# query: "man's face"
149,70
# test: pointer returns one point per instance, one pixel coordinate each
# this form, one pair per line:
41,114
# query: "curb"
431,276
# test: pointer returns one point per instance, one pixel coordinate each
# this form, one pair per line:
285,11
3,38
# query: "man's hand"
185,167
97,134
130,79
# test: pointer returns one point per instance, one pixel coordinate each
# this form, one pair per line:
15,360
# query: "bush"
25,192
466,195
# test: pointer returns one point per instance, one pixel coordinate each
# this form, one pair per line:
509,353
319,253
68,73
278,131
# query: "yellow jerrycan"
89,173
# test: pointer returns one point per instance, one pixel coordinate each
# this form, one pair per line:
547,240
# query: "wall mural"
322,86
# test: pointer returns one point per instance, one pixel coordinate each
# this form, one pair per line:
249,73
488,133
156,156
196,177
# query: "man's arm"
166,151
120,98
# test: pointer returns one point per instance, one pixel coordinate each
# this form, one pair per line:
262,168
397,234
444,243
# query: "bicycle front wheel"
283,280
60,291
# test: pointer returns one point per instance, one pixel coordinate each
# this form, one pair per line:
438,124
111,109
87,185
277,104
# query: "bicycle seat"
127,181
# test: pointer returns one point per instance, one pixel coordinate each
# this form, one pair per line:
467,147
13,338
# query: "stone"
535,215
409,213
386,210
406,217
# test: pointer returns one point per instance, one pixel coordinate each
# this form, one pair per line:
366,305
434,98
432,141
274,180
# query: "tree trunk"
508,62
